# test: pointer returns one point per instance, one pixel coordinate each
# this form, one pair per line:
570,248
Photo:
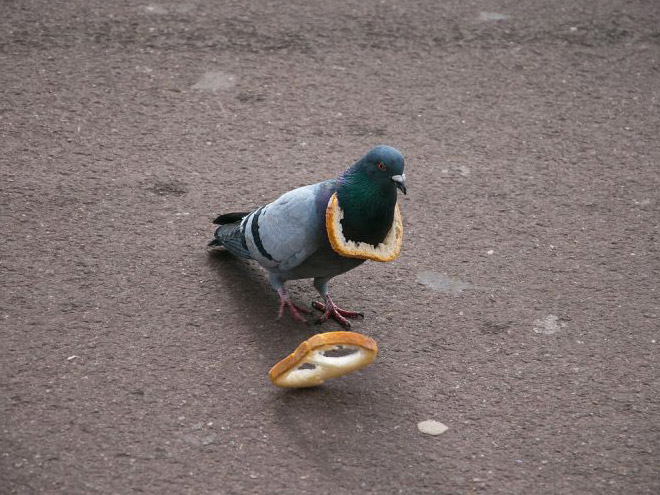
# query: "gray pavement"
522,313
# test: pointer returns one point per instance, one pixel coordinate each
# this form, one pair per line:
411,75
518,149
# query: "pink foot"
294,309
331,310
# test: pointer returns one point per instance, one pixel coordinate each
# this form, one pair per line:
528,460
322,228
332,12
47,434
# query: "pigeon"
295,236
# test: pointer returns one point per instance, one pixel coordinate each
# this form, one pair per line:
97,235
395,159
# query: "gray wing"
284,233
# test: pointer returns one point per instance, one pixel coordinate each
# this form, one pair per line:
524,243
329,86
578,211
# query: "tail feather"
228,218
230,235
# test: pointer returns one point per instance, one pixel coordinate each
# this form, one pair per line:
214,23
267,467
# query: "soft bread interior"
314,361
387,250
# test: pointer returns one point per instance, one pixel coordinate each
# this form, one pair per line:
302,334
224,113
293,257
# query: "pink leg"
294,309
331,310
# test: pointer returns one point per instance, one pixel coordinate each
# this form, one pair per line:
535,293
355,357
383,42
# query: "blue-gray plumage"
288,237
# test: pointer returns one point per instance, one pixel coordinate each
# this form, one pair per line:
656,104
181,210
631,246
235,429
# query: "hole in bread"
307,366
387,250
337,357
339,351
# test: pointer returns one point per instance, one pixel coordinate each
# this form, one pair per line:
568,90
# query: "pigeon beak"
400,182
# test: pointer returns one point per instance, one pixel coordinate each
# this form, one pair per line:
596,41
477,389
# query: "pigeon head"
383,165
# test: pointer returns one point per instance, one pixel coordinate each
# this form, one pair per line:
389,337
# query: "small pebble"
431,427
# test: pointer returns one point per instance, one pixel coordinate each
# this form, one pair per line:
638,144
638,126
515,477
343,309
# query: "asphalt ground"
522,312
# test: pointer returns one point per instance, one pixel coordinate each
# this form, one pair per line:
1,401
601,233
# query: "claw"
331,310
294,309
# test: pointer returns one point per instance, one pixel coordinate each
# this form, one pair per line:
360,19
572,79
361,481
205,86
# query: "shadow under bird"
322,230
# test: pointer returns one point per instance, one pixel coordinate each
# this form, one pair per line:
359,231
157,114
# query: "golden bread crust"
388,250
308,351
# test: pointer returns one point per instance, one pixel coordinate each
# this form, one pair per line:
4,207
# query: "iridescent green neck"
368,207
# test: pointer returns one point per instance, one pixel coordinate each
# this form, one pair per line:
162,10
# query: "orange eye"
381,166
